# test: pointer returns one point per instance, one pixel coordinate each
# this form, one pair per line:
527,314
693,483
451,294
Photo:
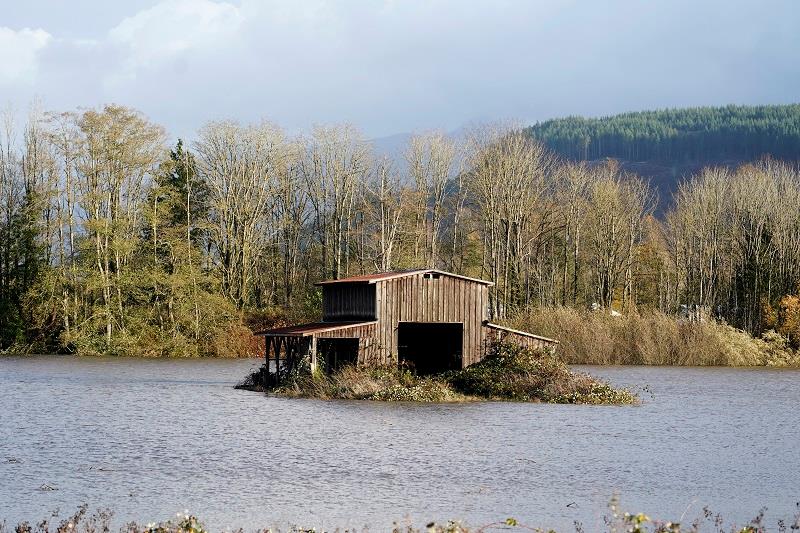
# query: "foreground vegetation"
509,372
616,521
654,338
113,242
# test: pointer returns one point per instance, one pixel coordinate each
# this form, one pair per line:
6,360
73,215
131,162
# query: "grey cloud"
392,66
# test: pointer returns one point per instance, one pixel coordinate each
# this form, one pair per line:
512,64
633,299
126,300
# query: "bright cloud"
18,53
171,28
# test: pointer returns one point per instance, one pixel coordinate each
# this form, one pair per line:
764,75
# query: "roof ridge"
387,275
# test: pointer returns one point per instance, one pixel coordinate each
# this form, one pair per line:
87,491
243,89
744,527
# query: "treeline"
711,134
113,242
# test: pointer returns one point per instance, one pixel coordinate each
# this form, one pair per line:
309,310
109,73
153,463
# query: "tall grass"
653,338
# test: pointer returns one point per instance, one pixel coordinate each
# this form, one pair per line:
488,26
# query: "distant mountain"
671,144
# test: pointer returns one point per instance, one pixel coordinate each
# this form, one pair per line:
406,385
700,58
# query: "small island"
418,335
509,372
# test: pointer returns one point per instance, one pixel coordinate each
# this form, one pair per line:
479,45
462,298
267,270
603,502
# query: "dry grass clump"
373,383
653,338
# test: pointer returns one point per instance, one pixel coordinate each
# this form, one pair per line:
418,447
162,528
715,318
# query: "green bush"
512,372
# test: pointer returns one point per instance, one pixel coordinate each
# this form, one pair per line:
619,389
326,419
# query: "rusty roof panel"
372,278
304,330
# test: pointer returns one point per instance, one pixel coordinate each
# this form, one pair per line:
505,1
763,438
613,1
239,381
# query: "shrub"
512,372
235,340
788,322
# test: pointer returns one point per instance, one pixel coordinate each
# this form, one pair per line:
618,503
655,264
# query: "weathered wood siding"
421,298
365,334
348,301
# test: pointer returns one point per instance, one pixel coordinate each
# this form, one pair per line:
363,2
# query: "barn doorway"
429,348
336,353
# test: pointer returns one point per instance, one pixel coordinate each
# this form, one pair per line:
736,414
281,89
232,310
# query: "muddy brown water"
148,438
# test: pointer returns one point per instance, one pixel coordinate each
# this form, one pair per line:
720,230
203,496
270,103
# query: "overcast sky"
391,66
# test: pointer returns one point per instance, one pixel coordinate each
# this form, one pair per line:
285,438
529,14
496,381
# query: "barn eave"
386,276
308,330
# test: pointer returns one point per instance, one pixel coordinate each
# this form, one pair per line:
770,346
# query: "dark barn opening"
430,347
336,353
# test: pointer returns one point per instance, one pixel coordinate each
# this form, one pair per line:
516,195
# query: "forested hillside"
115,241
693,134
669,145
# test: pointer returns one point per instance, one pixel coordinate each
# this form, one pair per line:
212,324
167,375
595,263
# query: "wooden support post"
277,349
265,377
312,353
291,353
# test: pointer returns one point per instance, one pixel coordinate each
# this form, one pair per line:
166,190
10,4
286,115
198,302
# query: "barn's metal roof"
383,276
305,330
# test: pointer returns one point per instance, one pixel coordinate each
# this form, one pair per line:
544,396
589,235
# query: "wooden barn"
429,319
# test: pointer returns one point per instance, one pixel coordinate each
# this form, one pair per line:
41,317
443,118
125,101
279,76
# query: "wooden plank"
387,324
409,282
401,314
396,299
452,301
476,356
459,304
430,307
440,300
417,299
420,299
380,287
436,286
472,319
412,295
435,301
484,316
444,295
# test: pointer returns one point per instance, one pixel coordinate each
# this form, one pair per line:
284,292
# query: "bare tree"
384,201
510,180
241,165
431,162
335,165
618,205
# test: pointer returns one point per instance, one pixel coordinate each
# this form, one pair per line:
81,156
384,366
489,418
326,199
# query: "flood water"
147,438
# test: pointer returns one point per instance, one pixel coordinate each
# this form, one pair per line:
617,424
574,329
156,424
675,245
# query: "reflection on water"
148,438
